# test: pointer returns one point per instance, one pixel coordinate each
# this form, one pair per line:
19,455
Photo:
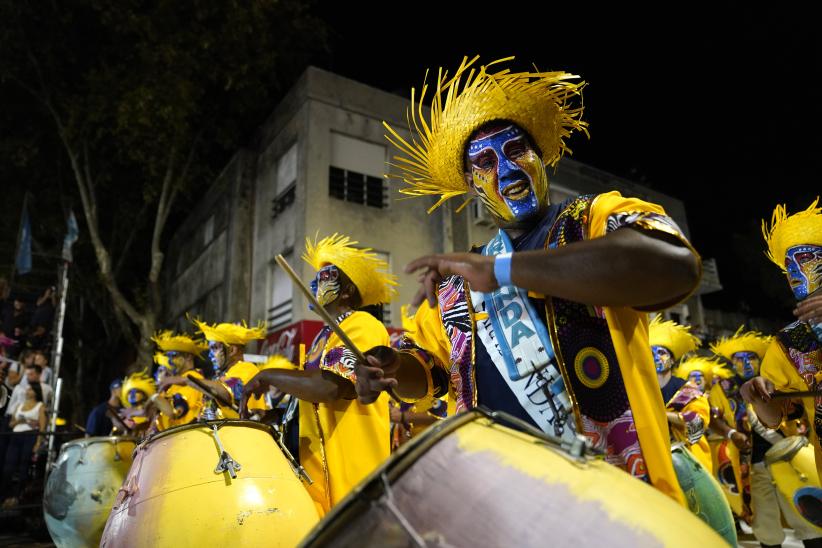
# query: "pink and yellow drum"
221,483
81,488
470,481
793,467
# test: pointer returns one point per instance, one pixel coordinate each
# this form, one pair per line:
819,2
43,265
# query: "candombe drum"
703,493
471,481
793,467
218,483
82,486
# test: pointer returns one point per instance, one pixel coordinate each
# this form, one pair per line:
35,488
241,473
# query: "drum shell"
797,473
173,497
81,488
703,494
469,481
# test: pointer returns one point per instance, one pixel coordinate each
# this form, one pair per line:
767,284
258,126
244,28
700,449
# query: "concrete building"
318,169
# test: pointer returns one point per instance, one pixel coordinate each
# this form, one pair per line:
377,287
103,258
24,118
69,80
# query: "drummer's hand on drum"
378,375
741,441
757,390
257,386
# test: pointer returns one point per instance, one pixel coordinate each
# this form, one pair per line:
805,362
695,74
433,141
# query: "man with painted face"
178,403
548,320
341,440
793,361
226,345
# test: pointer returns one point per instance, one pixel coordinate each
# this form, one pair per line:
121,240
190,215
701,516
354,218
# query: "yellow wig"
787,231
277,361
137,381
698,363
230,333
169,342
676,338
542,103
367,271
750,341
161,359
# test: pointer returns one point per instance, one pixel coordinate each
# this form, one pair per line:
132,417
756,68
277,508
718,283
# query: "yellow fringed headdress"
277,361
676,338
169,342
161,360
750,341
538,102
367,271
698,363
230,333
137,381
787,231
721,371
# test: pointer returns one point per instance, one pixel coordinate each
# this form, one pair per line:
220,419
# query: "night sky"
717,105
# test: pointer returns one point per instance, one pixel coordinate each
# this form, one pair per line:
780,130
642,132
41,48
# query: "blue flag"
23,262
72,234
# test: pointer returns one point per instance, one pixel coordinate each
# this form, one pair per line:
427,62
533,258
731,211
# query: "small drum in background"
792,465
220,483
81,488
470,481
703,493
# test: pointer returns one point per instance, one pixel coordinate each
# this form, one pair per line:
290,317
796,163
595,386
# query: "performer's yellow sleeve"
778,368
719,401
629,332
697,416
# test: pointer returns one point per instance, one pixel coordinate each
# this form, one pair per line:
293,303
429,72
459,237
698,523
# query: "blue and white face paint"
663,359
746,364
804,266
217,355
508,175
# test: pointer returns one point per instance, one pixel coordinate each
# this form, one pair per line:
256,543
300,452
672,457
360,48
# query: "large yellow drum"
81,488
222,483
470,481
793,467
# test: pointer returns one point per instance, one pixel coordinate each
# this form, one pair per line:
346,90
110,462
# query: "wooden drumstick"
803,394
326,317
200,385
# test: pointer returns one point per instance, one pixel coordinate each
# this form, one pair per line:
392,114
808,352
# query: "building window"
286,183
280,312
356,187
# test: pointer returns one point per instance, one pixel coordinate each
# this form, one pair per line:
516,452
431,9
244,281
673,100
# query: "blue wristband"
502,269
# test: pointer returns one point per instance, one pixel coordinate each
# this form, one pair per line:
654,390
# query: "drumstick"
207,389
804,393
326,317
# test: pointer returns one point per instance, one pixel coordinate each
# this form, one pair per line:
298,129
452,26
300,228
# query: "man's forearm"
624,268
315,386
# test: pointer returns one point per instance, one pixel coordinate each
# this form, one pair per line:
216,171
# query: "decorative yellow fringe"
676,338
169,342
787,231
698,363
367,271
542,103
750,341
140,381
231,333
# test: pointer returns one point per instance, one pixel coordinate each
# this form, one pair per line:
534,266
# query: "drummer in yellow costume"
793,361
135,395
226,344
557,300
178,403
341,440
689,412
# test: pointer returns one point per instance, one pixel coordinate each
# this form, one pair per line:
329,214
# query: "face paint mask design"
746,364
663,359
804,266
217,355
698,379
135,397
508,175
161,373
328,284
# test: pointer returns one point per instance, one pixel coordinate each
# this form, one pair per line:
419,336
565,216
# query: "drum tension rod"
226,463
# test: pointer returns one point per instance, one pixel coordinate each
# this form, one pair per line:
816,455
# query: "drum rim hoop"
788,454
208,424
98,439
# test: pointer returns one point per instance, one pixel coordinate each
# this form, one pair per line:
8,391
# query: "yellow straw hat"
787,231
548,105
676,338
749,341
137,381
168,342
698,363
230,333
277,361
365,269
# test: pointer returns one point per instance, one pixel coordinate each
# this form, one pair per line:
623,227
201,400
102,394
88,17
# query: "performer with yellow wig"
558,298
178,403
226,345
135,395
341,440
793,361
690,424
